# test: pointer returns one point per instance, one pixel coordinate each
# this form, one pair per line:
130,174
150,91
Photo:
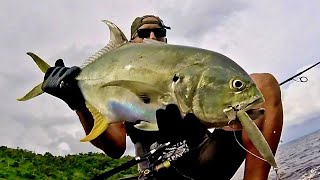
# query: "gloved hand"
174,128
60,82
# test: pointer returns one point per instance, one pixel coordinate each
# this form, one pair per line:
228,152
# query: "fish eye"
238,84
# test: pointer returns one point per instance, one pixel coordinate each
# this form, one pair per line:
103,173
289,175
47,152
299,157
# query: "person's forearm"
112,141
86,119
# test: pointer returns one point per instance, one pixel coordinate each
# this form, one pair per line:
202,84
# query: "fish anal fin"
100,124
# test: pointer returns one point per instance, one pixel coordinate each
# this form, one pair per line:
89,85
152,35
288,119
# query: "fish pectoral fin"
145,92
146,126
100,124
36,91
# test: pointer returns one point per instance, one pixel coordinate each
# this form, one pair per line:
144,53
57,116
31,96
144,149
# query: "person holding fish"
212,154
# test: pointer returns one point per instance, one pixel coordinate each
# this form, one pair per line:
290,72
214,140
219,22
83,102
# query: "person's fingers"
193,125
59,62
190,117
191,120
47,74
189,124
62,72
164,125
174,114
72,73
161,119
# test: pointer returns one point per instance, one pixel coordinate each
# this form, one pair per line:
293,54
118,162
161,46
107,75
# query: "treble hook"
301,79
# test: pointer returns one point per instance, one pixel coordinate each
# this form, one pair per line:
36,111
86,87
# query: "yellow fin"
100,124
36,91
40,62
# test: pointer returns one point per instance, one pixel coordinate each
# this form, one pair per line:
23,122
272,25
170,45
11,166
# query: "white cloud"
268,39
73,129
64,148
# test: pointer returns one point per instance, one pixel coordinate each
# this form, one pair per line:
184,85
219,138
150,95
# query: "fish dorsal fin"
117,39
100,124
152,41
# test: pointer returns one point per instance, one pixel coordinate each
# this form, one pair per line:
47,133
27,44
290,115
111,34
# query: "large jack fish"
129,82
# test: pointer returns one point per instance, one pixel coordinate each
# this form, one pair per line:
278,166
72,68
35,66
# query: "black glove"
60,82
174,128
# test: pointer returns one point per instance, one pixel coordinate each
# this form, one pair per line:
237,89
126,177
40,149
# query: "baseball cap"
138,22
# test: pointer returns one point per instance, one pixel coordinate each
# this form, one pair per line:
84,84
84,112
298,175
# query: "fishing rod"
133,162
301,79
163,156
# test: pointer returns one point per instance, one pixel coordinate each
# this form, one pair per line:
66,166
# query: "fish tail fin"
100,124
37,90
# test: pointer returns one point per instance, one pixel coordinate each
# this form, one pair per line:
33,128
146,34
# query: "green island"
23,164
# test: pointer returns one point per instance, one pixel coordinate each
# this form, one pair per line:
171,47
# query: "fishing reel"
161,156
163,159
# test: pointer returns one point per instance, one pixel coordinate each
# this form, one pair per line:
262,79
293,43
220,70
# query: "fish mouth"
252,108
253,104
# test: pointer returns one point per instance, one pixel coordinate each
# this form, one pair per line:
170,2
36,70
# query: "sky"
278,37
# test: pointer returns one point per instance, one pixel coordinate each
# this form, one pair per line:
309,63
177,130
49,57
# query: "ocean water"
297,160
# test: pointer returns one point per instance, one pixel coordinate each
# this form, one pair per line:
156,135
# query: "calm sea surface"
297,160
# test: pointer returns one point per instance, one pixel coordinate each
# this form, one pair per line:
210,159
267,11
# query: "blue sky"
281,38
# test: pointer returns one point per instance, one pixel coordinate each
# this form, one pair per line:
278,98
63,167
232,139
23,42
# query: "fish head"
214,93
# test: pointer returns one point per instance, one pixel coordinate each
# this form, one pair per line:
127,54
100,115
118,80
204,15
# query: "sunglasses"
158,32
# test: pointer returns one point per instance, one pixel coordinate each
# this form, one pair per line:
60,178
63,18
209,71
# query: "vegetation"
23,164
